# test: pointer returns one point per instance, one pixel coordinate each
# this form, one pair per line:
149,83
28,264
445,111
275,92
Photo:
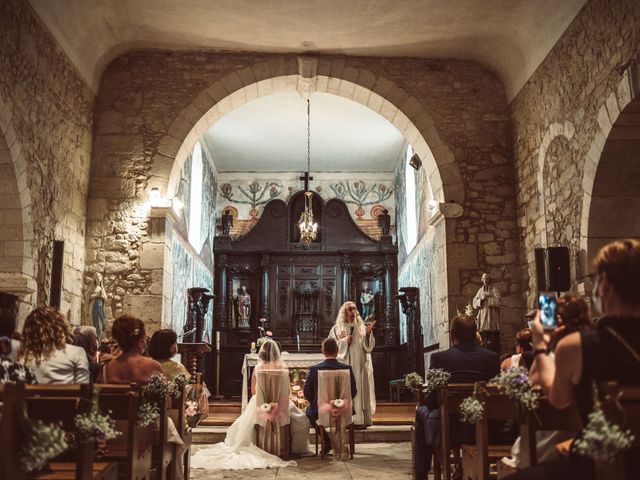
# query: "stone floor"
372,460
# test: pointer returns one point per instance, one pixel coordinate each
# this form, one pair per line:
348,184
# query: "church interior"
248,185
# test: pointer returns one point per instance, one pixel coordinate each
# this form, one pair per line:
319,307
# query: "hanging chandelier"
308,227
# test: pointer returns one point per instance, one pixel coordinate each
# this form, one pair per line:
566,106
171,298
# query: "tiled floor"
389,461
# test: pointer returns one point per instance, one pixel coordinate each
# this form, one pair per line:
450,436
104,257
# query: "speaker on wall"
552,269
57,266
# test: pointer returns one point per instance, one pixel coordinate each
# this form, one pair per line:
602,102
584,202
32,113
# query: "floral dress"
11,371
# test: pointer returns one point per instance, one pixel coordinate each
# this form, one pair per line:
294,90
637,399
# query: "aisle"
372,460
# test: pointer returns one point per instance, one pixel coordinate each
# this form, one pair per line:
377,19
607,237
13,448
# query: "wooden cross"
306,179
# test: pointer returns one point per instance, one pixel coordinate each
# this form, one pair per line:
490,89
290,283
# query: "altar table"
290,360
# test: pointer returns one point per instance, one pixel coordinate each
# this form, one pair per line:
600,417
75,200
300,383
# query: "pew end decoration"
95,426
471,410
435,379
153,395
602,439
44,441
514,383
413,381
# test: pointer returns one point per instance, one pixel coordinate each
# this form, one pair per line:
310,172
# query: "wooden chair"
129,450
621,404
325,382
545,418
449,399
12,398
272,386
180,420
162,452
477,459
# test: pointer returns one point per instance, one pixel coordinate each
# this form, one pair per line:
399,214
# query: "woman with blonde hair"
355,343
45,351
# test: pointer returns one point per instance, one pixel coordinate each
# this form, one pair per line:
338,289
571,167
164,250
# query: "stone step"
374,434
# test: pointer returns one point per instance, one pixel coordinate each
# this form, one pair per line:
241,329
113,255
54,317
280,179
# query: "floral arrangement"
95,426
337,406
43,442
514,382
179,384
435,379
148,413
191,408
157,388
269,410
471,410
264,334
413,381
601,439
297,389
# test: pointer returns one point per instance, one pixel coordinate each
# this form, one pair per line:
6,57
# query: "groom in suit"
330,352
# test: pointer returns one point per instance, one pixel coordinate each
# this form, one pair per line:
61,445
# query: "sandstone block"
152,256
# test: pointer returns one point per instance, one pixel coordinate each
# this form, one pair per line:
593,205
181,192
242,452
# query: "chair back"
450,398
272,388
334,385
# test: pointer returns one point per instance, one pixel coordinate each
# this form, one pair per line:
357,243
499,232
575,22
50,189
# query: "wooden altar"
299,289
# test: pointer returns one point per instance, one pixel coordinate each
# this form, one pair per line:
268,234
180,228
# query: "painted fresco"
209,200
420,271
182,276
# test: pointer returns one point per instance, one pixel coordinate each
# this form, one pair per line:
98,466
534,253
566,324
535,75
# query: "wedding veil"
269,355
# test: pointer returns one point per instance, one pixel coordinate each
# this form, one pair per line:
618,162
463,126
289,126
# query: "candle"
253,345
217,341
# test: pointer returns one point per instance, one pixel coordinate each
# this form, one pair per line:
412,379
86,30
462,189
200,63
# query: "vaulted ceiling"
512,37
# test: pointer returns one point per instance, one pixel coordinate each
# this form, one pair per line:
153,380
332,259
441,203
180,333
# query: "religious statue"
97,299
227,222
384,222
355,343
366,300
243,302
487,302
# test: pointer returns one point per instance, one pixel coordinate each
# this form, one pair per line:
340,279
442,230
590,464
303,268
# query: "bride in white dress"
238,451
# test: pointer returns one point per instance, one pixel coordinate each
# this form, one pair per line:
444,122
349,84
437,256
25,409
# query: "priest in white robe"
355,343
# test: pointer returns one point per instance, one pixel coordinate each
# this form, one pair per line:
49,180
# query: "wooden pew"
12,398
449,399
180,420
477,459
129,450
163,452
621,404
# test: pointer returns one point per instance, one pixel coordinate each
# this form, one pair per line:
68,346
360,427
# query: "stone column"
264,306
346,277
221,312
389,328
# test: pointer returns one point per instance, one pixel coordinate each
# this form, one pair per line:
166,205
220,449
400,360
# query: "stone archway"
16,262
611,172
405,112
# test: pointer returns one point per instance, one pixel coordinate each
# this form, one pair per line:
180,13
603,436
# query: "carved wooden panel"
304,270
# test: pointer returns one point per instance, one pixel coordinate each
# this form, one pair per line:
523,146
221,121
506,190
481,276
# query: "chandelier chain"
308,136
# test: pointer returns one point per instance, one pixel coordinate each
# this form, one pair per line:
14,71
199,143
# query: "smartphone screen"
548,311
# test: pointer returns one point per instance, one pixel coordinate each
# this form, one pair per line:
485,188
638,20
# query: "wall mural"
420,272
366,196
191,269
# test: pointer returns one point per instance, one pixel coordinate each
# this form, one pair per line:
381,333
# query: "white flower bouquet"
43,442
471,410
435,379
148,413
413,381
95,426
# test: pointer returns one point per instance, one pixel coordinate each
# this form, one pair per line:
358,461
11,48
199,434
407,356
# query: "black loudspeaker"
57,266
552,269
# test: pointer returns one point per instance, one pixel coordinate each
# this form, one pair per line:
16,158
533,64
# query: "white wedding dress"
239,452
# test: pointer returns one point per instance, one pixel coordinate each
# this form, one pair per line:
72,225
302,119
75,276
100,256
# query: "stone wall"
561,120
150,103
46,122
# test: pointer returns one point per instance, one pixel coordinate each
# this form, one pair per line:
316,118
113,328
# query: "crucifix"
306,179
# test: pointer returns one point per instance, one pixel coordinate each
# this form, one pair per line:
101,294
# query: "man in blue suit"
330,352
467,362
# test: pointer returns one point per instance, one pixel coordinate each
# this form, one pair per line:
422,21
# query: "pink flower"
301,394
269,334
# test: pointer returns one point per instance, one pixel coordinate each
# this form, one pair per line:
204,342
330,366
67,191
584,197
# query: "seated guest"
330,351
163,346
523,344
86,337
467,362
131,365
608,352
45,351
